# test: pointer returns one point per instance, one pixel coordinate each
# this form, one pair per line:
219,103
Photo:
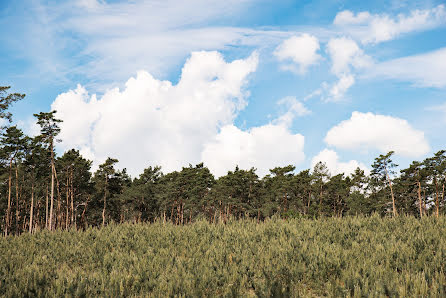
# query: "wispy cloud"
424,70
375,28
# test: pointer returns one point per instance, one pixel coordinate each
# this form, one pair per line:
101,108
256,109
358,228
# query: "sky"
253,83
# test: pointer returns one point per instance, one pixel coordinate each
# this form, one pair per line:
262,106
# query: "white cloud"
154,122
331,160
347,17
364,131
301,49
105,42
263,147
375,28
424,70
338,90
294,108
346,56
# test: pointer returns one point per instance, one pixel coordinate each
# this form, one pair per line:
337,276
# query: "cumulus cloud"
375,28
153,121
301,49
346,56
424,70
335,166
364,131
263,147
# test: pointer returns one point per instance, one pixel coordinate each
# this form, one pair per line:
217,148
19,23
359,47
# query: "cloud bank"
153,122
364,131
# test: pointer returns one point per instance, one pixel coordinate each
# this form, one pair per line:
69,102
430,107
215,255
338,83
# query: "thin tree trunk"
436,200
320,202
105,201
72,197
59,221
419,199
309,199
17,199
31,210
8,210
442,195
84,221
52,186
395,213
67,188
46,209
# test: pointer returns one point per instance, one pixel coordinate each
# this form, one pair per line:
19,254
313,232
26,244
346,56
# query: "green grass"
356,256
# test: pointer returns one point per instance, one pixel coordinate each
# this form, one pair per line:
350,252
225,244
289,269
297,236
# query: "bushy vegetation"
352,256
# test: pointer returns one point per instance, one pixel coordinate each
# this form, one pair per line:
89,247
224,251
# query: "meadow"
342,257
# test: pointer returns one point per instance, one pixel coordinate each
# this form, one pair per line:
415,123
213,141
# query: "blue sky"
253,83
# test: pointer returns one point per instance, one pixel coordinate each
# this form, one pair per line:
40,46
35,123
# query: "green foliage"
6,100
348,257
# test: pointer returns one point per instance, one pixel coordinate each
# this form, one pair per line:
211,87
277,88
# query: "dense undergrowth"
354,256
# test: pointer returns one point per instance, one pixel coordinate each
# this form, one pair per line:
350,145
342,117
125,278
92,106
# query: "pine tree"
382,168
49,129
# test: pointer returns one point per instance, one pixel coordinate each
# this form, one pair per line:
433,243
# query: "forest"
40,190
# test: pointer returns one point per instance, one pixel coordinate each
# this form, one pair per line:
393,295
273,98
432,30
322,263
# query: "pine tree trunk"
105,201
17,200
436,199
309,200
419,199
46,209
50,226
67,189
395,213
31,210
58,223
8,210
72,198
320,202
442,195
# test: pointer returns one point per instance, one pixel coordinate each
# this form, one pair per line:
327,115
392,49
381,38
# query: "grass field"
356,256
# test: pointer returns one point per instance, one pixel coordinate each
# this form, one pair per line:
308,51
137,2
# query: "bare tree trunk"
309,199
84,221
31,210
320,202
395,213
59,221
8,210
419,199
67,189
38,221
52,186
442,195
17,199
436,200
105,201
46,209
72,197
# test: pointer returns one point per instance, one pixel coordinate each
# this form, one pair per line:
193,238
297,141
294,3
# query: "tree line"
40,190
